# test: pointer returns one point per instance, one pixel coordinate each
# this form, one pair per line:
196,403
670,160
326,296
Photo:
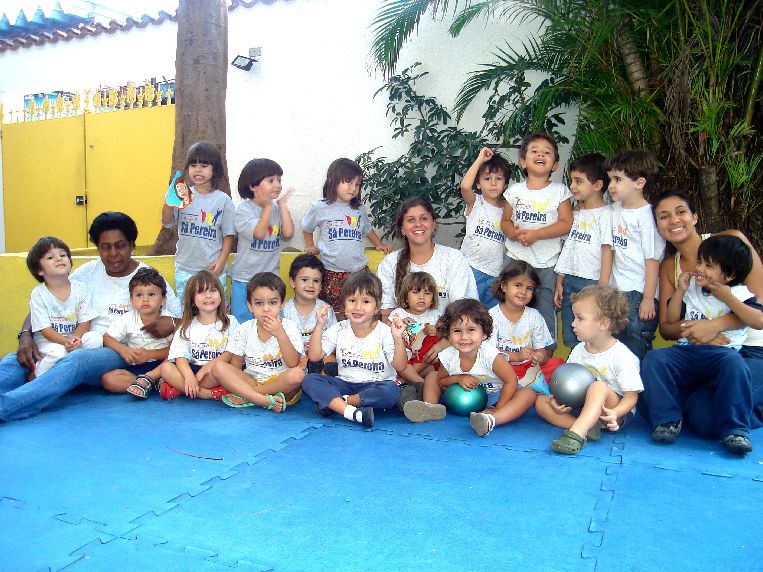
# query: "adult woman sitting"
415,224
717,398
107,278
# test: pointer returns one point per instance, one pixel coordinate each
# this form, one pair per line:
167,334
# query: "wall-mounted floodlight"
243,63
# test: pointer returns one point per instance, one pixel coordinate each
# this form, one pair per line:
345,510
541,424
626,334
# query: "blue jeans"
82,367
700,403
323,388
238,302
638,335
671,375
485,288
572,285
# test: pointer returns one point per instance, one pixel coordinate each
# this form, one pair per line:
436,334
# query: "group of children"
603,276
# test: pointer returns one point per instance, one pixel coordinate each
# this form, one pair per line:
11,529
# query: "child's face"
55,263
465,335
588,323
707,272
348,190
207,301
200,173
518,290
147,299
269,187
582,188
624,189
307,283
360,308
264,302
419,300
492,185
540,159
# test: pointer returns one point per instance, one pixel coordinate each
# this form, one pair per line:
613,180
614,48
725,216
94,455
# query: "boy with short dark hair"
586,256
126,336
638,247
268,348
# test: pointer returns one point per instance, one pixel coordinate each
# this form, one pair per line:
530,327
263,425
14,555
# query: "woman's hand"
28,353
703,332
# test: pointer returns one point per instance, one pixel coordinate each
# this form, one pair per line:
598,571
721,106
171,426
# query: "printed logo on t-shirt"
490,230
270,242
209,349
344,229
581,231
118,309
201,226
513,344
64,325
370,360
267,361
619,235
533,212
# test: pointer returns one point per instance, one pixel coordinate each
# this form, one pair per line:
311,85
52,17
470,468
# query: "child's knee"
110,382
294,377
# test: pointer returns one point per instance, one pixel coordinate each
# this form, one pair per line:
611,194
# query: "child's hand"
558,294
398,327
141,355
217,267
609,418
72,344
385,248
272,325
284,196
321,315
513,232
431,356
430,330
683,281
467,382
539,357
312,250
558,408
191,387
485,155
260,199
646,310
526,237
720,291
129,355
524,354
204,371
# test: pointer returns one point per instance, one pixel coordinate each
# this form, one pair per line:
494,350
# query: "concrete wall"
308,101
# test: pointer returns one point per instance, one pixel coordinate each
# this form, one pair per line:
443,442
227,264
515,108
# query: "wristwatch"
23,331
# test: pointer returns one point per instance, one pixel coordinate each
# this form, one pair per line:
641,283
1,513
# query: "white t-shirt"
111,296
581,253
634,240
617,367
482,370
529,330
343,230
205,341
702,305
483,244
448,267
202,225
263,359
254,255
534,209
127,329
47,311
306,324
361,360
429,317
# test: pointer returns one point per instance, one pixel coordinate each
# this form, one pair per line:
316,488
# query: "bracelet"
22,332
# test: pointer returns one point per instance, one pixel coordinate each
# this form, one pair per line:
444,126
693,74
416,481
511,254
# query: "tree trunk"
201,79
708,193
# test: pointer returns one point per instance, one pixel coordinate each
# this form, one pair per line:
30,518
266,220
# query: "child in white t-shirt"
471,361
537,214
126,336
600,311
586,256
200,340
269,350
369,354
483,244
638,247
305,277
60,309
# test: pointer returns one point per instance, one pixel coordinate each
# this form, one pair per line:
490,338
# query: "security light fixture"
243,62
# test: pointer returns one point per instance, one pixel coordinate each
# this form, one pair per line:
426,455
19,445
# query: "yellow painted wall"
120,160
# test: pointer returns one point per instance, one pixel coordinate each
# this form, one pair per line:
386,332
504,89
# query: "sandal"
237,402
218,392
273,402
142,386
167,392
569,443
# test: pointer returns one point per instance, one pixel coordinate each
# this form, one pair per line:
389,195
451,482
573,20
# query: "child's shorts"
272,378
142,368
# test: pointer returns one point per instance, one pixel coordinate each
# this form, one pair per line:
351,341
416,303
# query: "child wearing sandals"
200,341
470,361
126,336
368,354
599,312
268,348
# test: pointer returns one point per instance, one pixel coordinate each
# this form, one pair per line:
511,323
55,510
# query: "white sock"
349,413
345,397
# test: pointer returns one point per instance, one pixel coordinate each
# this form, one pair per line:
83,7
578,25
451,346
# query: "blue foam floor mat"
106,482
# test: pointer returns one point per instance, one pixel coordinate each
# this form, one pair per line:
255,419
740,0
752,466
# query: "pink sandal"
218,392
167,392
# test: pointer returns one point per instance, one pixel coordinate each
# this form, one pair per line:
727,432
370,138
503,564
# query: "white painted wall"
308,101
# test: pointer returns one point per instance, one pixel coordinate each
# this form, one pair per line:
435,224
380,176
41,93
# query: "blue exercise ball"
569,384
463,401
